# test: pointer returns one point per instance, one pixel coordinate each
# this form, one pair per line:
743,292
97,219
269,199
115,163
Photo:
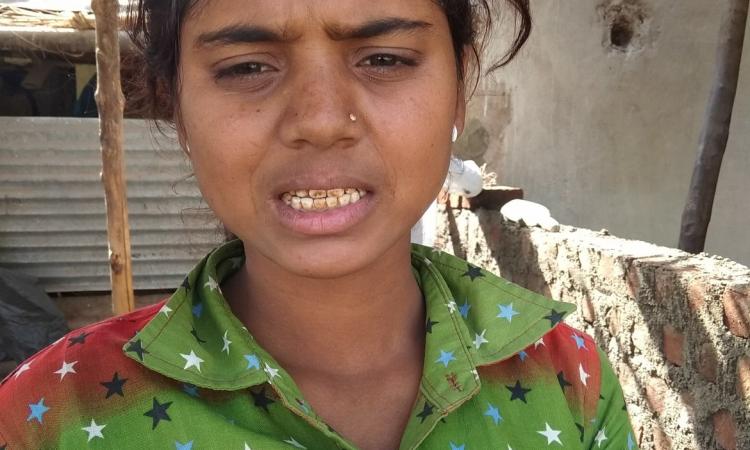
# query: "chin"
326,260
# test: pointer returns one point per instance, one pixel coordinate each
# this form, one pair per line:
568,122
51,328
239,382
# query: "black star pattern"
186,284
114,386
601,397
518,392
158,412
426,411
473,272
580,430
80,339
194,332
260,400
554,317
428,325
135,346
563,382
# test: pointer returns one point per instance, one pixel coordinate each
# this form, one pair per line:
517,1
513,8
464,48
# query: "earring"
187,149
352,117
454,134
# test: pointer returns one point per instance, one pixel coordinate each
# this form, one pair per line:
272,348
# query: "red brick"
661,440
725,431
736,303
589,315
674,344
626,375
656,390
743,377
633,277
697,293
708,362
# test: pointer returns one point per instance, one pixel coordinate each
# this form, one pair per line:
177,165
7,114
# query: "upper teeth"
320,200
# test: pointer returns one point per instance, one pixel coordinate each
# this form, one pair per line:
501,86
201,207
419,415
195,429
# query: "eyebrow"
248,34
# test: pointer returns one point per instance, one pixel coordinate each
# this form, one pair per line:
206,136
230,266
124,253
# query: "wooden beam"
713,142
111,102
72,45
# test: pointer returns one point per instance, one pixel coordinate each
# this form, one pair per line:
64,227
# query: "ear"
461,97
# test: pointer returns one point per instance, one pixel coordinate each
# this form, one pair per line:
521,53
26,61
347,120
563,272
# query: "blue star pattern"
181,446
507,312
252,362
37,411
445,358
198,310
523,355
493,413
580,342
464,309
457,447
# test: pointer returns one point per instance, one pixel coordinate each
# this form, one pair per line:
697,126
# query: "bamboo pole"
110,101
698,208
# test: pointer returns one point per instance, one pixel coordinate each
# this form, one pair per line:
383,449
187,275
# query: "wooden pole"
697,213
110,101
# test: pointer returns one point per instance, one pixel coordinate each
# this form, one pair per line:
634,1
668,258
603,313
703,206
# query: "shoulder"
63,380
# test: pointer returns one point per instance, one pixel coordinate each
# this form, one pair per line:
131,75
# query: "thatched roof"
62,27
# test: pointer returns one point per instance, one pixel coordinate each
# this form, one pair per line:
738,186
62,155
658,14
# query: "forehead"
301,16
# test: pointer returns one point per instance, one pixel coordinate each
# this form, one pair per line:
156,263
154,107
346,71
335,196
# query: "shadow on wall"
675,326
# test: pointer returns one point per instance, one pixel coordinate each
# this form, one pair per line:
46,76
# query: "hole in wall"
621,32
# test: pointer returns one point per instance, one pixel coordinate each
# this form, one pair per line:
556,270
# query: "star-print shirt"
501,371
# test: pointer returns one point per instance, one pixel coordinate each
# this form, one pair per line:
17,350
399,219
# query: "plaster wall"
606,135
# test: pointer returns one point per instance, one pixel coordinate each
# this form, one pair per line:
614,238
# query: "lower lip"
332,221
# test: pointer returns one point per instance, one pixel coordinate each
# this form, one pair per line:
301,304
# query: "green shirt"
501,371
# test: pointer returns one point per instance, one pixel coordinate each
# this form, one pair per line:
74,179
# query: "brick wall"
675,325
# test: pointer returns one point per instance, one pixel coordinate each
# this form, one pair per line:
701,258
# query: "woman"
319,131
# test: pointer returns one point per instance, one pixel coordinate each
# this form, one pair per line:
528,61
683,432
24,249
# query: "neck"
359,323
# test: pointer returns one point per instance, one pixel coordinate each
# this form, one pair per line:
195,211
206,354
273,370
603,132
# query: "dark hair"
154,27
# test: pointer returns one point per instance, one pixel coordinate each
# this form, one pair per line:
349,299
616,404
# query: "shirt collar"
473,318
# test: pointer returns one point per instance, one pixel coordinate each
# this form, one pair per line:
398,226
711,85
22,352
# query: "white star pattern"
600,437
582,373
452,306
226,342
24,367
192,360
66,369
539,342
211,284
479,339
165,310
94,430
272,373
551,434
475,372
247,447
294,443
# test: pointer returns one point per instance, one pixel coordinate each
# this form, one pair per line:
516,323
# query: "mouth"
320,200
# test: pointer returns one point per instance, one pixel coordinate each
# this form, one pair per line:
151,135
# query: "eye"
382,60
246,69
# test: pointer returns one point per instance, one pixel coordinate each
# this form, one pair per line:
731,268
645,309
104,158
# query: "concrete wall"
675,326
606,136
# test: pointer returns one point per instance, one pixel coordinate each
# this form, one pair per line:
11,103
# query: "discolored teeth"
317,200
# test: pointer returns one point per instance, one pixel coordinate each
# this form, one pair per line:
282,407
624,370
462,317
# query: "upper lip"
320,182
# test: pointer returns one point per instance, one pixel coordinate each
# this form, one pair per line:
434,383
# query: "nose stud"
352,117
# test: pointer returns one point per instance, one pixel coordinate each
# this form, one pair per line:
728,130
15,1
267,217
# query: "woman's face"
354,98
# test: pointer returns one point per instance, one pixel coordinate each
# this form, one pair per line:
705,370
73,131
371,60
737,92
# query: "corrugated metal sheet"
52,212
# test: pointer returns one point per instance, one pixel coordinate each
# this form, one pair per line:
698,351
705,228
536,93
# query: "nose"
321,110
